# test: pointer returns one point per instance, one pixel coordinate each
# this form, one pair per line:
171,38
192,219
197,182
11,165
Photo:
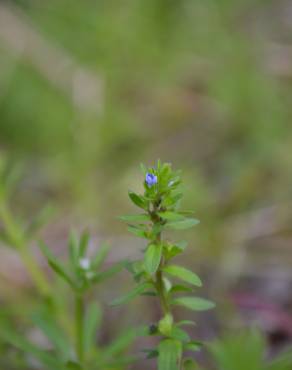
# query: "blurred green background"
89,89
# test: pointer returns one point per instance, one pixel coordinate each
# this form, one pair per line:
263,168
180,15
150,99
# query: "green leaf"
99,277
73,249
186,322
193,345
53,332
179,334
21,343
189,364
171,216
83,244
137,232
140,288
135,218
173,250
152,258
180,288
172,200
120,344
240,351
194,303
169,354
60,270
183,274
183,224
138,200
100,255
56,265
92,321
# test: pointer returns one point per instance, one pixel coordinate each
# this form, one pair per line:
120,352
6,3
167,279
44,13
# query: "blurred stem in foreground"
82,273
14,235
79,328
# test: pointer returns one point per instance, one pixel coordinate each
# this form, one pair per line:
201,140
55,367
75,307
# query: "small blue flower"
150,179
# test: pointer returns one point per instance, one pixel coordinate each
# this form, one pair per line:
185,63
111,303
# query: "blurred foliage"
182,79
89,89
246,350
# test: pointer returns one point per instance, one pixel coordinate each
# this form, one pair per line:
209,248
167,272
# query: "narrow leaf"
135,218
99,277
101,255
120,344
183,224
73,249
53,332
21,343
60,270
194,303
56,265
171,216
132,294
84,240
92,320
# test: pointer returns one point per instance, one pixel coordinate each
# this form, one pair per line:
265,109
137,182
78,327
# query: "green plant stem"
17,239
79,327
159,274
159,279
161,291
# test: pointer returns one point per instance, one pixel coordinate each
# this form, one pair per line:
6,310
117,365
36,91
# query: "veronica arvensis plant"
153,273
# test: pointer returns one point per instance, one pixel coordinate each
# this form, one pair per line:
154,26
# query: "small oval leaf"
152,258
183,224
183,274
194,303
138,200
